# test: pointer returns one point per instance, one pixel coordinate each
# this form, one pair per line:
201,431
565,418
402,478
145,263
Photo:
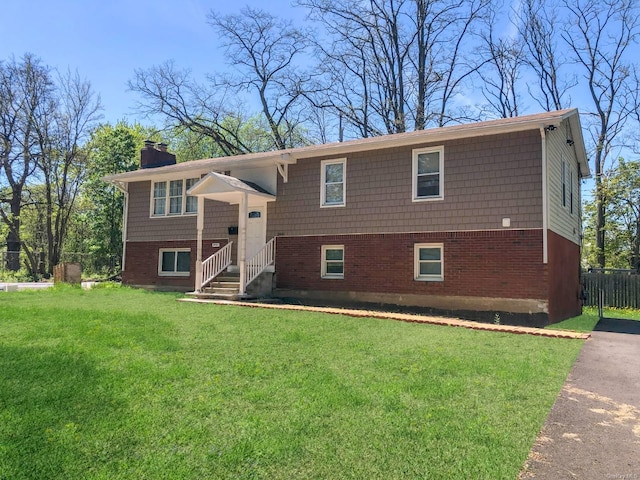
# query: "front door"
256,230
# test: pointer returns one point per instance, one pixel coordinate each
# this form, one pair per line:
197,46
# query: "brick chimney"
153,156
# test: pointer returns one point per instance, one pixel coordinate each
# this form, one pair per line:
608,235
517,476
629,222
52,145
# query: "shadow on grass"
618,325
51,399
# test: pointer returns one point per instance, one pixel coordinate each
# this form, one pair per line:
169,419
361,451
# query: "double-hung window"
428,174
428,262
174,262
170,198
333,183
333,261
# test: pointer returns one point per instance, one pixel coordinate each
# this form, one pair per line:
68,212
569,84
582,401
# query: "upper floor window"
333,183
427,174
170,198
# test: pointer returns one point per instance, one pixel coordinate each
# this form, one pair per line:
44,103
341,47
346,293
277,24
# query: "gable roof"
224,188
439,134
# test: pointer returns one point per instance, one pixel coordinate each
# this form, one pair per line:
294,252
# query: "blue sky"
105,41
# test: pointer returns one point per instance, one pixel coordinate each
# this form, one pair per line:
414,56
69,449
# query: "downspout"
125,222
545,202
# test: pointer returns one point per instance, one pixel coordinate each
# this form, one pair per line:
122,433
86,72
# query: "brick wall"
503,264
564,278
141,267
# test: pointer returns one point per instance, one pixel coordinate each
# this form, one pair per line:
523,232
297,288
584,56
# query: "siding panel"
561,220
485,179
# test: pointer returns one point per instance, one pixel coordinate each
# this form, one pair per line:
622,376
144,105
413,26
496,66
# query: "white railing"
261,260
215,264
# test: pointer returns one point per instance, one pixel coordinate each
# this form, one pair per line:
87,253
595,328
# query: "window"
427,174
175,201
428,262
564,183
332,261
332,183
571,192
174,262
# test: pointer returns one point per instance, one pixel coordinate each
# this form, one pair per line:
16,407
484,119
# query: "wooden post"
200,227
242,241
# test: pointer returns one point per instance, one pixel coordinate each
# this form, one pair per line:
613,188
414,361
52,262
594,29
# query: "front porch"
217,275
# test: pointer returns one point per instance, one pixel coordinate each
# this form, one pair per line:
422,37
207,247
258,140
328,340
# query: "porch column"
242,240
200,227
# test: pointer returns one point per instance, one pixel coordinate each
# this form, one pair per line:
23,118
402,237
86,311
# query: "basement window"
428,262
333,261
174,262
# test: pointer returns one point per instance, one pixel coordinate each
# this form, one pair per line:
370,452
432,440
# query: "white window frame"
571,191
414,174
323,182
416,263
167,197
173,273
324,261
563,184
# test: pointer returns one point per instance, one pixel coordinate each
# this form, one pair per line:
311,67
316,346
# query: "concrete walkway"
593,430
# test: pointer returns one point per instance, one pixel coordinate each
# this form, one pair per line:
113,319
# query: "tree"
537,22
502,72
27,98
63,162
623,212
263,51
112,149
389,65
603,39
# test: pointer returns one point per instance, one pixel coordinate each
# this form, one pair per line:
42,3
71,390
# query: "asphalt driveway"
593,430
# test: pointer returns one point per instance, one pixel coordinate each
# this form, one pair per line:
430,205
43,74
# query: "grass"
118,384
587,321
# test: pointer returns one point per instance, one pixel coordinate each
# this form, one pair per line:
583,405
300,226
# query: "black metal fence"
619,288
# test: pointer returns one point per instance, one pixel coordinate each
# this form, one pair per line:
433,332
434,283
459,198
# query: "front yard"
121,384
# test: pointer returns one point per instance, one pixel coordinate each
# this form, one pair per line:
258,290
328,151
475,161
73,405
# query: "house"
475,220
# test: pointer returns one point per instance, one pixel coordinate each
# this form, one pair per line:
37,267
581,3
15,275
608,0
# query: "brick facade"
564,278
141,263
501,264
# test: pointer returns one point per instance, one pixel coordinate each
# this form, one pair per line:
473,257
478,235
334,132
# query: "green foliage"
621,194
119,383
98,220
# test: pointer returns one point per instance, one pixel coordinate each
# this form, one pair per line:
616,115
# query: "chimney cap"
149,143
162,146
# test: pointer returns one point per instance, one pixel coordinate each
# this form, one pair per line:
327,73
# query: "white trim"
167,197
414,173
173,273
416,262
323,260
323,184
545,199
434,135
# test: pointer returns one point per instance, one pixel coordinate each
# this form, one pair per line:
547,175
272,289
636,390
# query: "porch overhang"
224,188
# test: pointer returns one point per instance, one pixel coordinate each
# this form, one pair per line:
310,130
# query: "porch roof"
223,188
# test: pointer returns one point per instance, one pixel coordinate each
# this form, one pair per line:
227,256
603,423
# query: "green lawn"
587,321
123,384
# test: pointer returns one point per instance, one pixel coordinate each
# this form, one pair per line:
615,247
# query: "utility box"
67,273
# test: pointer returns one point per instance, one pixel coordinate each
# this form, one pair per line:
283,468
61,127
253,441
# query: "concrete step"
235,296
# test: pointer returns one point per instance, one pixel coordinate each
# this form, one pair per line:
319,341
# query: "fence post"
600,303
